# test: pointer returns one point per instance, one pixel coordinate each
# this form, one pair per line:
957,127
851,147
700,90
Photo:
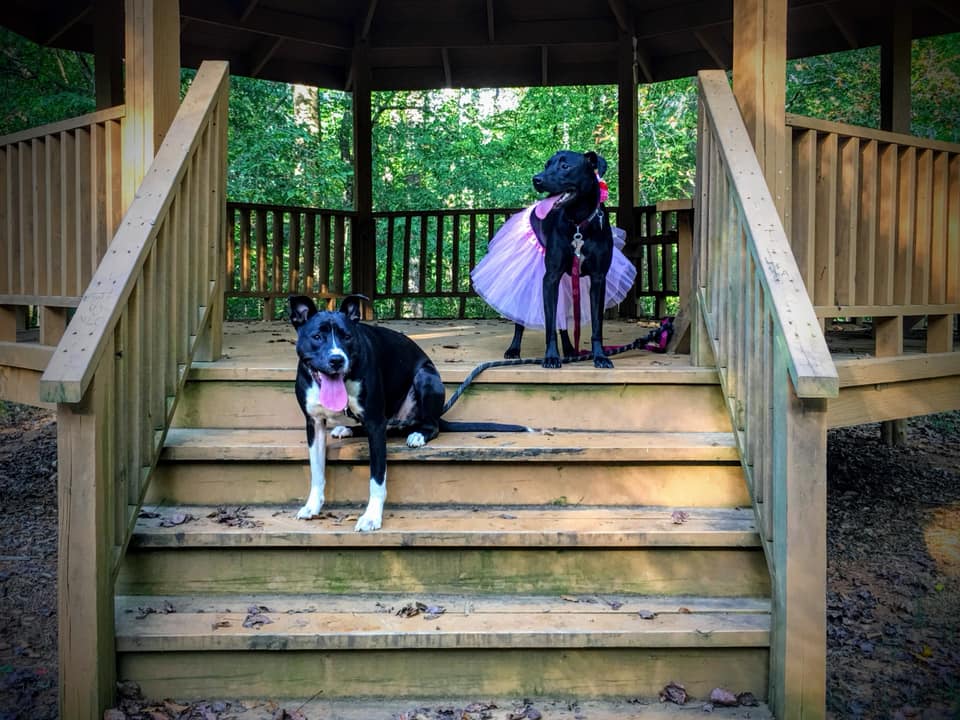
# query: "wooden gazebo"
118,221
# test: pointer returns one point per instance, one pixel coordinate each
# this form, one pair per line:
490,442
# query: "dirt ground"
893,599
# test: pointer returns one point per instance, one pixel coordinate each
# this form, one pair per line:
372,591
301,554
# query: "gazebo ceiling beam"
843,24
623,15
270,22
491,22
262,55
720,51
368,20
244,8
76,17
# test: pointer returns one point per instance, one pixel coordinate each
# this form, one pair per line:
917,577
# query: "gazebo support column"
798,638
627,168
895,116
759,84
363,246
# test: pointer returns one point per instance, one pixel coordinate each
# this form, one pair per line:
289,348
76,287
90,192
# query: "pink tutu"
510,276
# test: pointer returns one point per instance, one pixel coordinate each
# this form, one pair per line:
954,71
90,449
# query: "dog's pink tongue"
546,205
333,392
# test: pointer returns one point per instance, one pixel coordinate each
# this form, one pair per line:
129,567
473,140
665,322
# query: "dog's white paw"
416,440
369,522
312,507
341,431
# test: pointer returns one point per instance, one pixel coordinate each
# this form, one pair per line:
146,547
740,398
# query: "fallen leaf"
177,518
747,699
674,692
255,617
221,624
647,614
679,517
148,514
723,697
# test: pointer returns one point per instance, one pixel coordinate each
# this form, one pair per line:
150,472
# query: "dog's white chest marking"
317,410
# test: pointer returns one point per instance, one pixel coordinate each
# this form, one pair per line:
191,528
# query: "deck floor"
455,346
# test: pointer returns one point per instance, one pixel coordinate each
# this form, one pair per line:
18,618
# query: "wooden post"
84,577
759,84
152,91
53,321
108,53
888,341
895,71
895,116
798,647
364,242
8,323
627,168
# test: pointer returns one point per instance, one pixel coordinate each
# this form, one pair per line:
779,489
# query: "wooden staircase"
601,559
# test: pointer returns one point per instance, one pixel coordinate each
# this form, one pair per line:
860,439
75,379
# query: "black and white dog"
576,224
374,376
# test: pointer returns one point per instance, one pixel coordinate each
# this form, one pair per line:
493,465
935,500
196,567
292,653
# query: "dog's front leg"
513,350
317,451
372,517
598,292
551,291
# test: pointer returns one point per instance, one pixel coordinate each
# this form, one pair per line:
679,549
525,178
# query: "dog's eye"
316,336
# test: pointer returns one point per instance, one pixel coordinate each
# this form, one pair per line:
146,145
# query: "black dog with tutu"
526,274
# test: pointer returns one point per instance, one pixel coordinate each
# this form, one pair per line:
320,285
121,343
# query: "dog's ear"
352,307
597,162
301,309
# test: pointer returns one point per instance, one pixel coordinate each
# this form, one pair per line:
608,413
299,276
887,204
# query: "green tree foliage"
845,87
40,85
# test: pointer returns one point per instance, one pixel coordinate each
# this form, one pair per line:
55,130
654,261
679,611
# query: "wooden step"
447,550
290,445
667,405
474,708
207,466
385,622
359,646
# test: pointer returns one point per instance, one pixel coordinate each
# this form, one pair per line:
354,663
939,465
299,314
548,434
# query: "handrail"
753,318
95,118
152,307
106,298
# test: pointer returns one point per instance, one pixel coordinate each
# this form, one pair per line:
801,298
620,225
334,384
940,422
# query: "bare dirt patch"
893,599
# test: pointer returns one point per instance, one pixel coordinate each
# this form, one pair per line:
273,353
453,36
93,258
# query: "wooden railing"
875,227
273,251
424,258
758,325
59,207
152,306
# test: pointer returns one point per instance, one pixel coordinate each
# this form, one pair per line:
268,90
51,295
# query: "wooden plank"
939,228
48,300
21,385
473,483
900,368
579,673
455,527
271,444
798,637
939,334
868,403
84,580
906,227
923,229
825,236
881,136
884,310
953,232
848,226
545,627
690,408
720,572
887,204
94,118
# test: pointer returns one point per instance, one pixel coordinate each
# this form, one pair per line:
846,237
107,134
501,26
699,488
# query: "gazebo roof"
422,44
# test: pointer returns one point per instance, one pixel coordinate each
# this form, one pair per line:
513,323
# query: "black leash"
614,350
